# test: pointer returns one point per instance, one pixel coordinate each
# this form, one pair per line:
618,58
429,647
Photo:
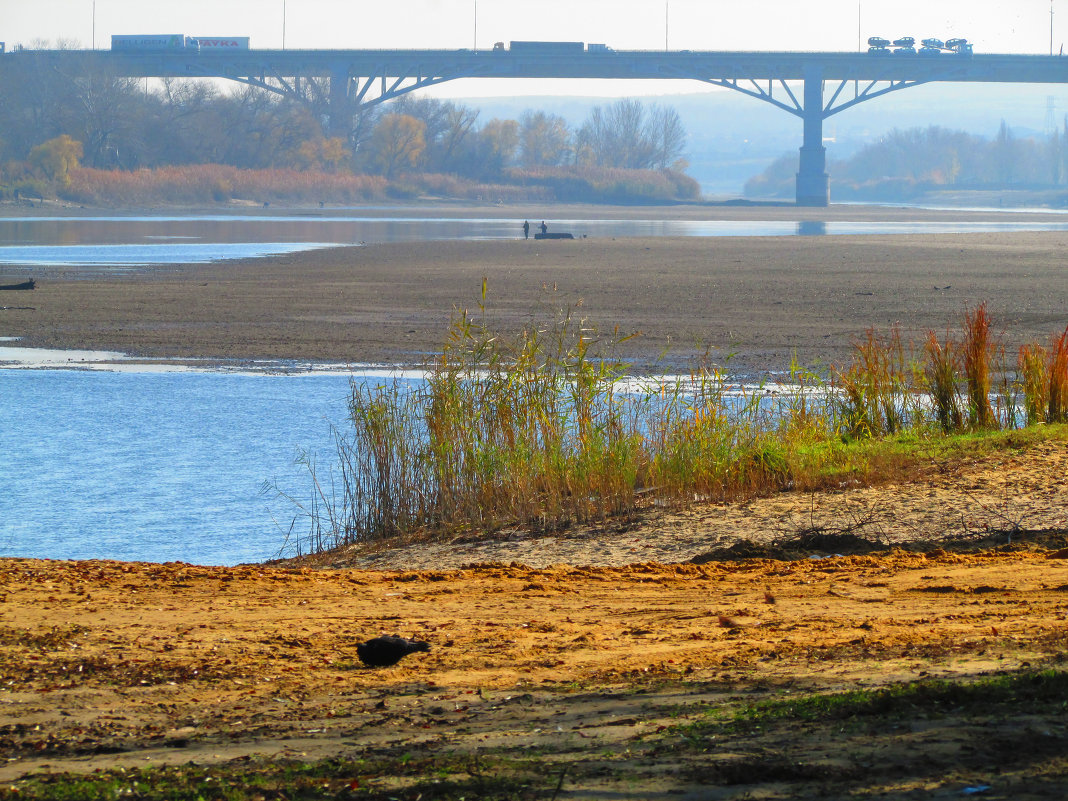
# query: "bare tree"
626,135
668,136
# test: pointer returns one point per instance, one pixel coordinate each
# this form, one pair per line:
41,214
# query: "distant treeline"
908,163
56,125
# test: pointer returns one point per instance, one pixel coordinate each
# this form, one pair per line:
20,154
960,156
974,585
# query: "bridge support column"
813,185
340,112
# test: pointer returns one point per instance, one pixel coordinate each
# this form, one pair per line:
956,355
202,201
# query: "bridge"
809,85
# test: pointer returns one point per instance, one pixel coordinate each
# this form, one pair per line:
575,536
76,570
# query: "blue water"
157,466
145,254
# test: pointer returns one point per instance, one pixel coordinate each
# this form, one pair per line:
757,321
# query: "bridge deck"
612,64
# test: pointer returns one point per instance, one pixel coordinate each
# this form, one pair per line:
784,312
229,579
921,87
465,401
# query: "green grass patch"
1041,691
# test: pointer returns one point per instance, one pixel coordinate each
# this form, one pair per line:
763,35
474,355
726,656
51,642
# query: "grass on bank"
400,777
547,428
1044,690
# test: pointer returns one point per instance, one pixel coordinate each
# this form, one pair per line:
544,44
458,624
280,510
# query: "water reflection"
812,228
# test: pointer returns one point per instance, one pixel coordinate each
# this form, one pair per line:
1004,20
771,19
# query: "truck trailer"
550,48
223,42
157,41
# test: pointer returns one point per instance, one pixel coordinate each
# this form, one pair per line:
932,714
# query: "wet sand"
763,299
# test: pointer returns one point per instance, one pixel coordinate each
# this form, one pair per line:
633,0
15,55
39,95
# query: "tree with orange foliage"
326,154
398,140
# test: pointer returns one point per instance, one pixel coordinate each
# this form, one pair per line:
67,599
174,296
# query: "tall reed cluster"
545,428
1044,380
888,387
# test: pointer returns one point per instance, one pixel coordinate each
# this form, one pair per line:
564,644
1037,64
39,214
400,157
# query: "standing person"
526,229
544,227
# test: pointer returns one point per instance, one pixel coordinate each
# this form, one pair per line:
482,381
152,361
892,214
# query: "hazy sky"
1016,26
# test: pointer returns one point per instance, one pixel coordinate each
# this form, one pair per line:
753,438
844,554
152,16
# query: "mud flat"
760,301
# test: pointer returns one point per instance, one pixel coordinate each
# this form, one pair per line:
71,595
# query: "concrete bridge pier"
340,110
813,185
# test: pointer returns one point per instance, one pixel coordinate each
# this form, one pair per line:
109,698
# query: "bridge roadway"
829,82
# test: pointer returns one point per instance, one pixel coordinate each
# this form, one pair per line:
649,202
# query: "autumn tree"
498,143
323,154
544,139
399,140
450,131
56,158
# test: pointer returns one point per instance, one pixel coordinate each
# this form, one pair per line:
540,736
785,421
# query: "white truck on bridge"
156,41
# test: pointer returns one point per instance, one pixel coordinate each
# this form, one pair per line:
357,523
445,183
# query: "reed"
943,361
1057,397
977,351
876,392
1032,365
544,428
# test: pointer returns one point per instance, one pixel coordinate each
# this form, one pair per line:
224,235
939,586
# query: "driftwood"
564,235
31,284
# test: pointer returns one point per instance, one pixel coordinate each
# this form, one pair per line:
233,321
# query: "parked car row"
906,46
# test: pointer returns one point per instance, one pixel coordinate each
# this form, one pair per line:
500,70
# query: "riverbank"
900,640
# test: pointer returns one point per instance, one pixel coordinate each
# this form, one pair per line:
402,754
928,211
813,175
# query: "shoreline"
682,210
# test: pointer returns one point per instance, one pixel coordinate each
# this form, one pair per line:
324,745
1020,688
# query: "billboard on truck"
154,41
222,42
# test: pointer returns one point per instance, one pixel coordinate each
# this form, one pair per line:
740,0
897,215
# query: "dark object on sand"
31,284
554,235
388,650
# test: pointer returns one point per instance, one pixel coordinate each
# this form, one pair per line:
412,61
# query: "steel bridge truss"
766,91
347,94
